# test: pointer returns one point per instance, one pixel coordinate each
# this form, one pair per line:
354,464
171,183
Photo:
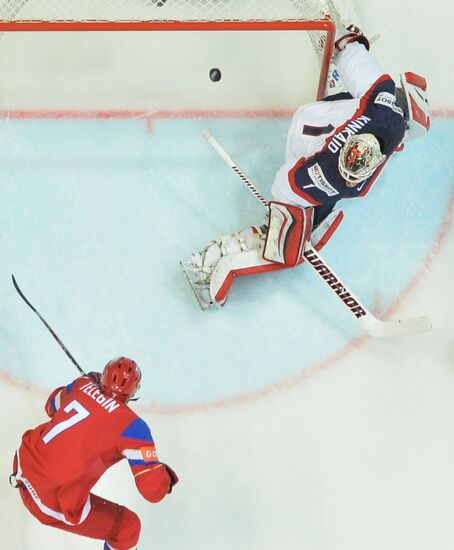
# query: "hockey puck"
215,75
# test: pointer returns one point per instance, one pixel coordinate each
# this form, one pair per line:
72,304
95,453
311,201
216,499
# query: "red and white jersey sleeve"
137,445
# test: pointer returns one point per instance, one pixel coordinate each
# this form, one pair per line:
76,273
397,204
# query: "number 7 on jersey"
81,414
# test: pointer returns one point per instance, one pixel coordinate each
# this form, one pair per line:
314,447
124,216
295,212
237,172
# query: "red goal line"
163,114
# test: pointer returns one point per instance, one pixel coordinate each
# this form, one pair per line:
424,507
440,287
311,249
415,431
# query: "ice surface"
289,429
97,215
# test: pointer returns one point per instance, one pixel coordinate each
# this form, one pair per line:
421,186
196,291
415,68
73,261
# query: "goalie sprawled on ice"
336,149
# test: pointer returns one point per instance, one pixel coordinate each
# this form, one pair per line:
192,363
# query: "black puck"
215,75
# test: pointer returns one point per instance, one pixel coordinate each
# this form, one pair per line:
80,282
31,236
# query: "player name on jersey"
352,128
94,392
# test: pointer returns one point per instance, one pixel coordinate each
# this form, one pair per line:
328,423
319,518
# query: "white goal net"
34,58
171,10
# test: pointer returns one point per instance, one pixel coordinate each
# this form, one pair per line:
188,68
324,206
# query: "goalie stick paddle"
371,324
49,328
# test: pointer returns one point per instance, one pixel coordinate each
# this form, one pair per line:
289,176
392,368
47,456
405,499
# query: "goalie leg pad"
253,263
200,266
289,229
229,267
211,272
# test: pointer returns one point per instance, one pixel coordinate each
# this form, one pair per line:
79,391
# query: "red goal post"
317,17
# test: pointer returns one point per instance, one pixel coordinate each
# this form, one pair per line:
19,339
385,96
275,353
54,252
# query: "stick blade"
16,286
402,327
21,294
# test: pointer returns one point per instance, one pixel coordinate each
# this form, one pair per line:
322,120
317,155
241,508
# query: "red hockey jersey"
61,460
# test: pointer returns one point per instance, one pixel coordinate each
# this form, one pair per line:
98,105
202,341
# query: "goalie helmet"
359,158
121,379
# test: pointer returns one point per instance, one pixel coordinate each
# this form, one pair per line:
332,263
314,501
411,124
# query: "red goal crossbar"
323,25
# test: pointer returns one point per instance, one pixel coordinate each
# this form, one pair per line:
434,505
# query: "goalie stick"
49,328
371,324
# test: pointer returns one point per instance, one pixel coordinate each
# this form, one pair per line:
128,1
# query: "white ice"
289,428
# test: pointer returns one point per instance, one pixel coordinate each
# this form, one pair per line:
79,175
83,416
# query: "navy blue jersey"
310,175
317,178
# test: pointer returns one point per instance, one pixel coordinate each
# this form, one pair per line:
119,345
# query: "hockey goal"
315,18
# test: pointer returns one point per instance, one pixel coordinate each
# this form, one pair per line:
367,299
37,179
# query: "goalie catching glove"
278,244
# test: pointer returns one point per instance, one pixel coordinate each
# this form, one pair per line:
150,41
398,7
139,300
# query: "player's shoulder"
136,428
384,84
382,104
87,390
76,384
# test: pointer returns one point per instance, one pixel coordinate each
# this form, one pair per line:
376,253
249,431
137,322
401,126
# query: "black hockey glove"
173,477
95,376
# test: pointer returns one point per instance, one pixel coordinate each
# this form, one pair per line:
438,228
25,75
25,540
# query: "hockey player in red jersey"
336,149
91,428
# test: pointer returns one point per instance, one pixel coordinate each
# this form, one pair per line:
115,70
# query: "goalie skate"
201,289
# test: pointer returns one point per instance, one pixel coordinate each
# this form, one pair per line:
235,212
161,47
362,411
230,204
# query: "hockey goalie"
336,149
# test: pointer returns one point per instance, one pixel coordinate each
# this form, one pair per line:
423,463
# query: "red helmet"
121,378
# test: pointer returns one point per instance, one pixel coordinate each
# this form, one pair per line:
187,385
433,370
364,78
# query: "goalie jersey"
59,461
310,175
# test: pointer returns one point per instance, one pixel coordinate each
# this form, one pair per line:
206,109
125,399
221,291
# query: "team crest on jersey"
149,453
388,100
319,179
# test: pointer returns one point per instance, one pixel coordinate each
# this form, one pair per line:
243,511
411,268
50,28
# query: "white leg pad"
249,262
289,229
200,267
212,271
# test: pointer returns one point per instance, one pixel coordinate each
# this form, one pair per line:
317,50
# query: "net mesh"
164,10
91,12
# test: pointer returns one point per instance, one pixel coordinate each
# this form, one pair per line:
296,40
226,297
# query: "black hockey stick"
49,328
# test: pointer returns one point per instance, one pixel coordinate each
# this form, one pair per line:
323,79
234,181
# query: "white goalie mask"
359,158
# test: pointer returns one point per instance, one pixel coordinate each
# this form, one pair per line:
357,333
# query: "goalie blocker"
413,97
277,244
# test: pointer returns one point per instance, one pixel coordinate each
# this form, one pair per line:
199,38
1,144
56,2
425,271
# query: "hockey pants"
108,521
